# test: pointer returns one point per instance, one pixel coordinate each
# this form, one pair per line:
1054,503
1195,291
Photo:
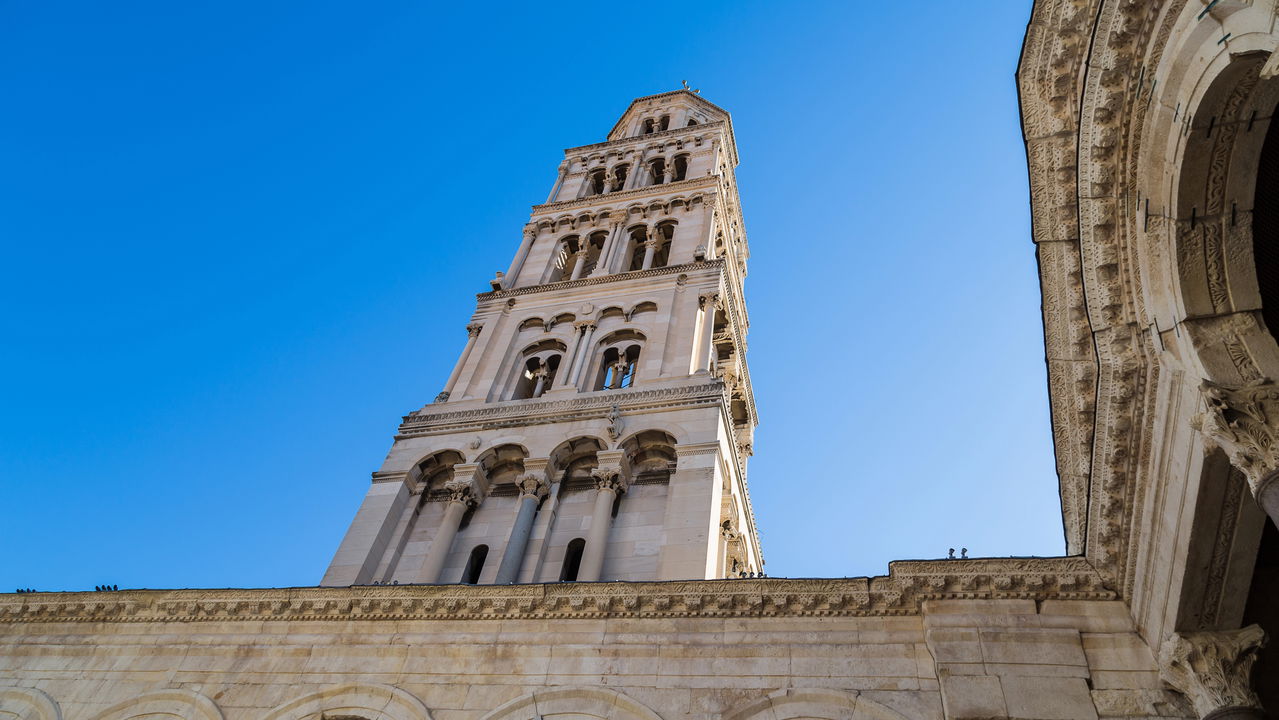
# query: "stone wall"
711,650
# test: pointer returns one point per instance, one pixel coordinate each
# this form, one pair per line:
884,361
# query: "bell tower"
599,420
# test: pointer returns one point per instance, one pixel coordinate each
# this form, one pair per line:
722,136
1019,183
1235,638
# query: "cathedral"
565,531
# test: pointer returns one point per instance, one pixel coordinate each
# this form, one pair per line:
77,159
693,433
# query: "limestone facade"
563,532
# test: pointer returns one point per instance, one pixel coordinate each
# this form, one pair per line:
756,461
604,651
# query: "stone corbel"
1212,670
1244,423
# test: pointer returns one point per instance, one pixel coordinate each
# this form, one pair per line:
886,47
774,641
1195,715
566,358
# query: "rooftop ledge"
901,592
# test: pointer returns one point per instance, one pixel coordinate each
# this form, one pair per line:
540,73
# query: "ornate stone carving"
534,486
609,478
1212,668
615,423
462,491
442,397
473,330
1244,423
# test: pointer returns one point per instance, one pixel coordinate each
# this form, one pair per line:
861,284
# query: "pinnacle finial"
692,90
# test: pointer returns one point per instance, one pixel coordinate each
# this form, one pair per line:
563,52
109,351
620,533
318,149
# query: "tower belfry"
599,419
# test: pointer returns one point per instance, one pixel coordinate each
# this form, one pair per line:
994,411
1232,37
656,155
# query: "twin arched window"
617,367
538,370
649,247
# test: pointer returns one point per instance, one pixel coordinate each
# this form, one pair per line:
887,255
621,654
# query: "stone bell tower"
598,422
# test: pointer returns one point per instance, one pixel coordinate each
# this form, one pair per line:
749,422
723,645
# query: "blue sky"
242,239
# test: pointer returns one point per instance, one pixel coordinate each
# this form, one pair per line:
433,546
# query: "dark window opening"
617,503
475,564
666,122
1263,609
572,560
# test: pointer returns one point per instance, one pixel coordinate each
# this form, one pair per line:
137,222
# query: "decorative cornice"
900,593
603,279
607,198
598,404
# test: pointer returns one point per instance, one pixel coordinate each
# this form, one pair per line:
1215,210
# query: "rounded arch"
650,454
574,456
164,704
531,322
436,468
819,703
574,703
502,463
27,704
369,701
641,307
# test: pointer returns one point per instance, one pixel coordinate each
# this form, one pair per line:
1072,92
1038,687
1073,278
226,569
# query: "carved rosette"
1212,668
1244,423
534,486
609,479
463,492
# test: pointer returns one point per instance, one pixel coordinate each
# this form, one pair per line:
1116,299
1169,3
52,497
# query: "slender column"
609,178
513,272
584,350
462,497
472,332
602,268
533,487
650,248
565,374
709,302
559,182
579,262
1212,669
608,485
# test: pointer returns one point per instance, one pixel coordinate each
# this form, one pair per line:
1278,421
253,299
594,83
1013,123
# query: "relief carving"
1244,423
1212,668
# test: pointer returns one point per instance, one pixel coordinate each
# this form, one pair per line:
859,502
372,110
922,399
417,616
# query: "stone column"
579,262
462,497
533,487
472,332
584,350
513,272
650,249
1244,423
1212,669
709,303
602,268
559,182
564,376
610,177
609,483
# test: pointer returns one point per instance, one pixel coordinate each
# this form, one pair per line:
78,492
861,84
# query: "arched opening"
665,235
619,176
665,123
636,237
566,258
537,376
572,560
595,182
617,368
647,127
691,122
680,171
475,565
651,455
1265,228
657,170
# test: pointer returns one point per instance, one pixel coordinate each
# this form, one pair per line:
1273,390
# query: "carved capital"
1244,423
532,485
530,231
442,397
709,300
461,491
609,478
1212,668
473,330
584,325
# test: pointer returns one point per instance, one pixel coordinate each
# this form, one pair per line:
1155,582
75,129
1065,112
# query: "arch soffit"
592,701
641,426
370,701
797,703
621,334
185,704
28,704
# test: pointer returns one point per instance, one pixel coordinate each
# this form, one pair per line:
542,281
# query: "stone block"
1048,698
972,698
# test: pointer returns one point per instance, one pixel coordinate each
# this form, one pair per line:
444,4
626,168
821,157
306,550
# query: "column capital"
473,330
533,485
710,299
1244,423
1212,669
462,491
584,325
530,230
609,478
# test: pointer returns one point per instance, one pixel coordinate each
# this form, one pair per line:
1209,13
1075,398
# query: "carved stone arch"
368,701
814,704
27,704
531,322
574,703
163,705
641,307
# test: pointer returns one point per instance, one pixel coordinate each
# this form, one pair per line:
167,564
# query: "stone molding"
180,703
1244,423
660,189
901,592
600,702
599,405
28,704
1213,669
371,701
602,279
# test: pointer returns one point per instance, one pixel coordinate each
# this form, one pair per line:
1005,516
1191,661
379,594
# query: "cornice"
642,139
901,592
608,198
717,264
516,413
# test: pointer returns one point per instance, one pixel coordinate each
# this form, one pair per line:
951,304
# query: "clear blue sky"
241,239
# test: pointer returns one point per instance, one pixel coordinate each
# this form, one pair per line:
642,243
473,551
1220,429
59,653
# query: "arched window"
636,238
648,126
566,258
691,122
619,176
680,171
664,236
617,369
595,182
657,170
665,124
572,560
651,454
475,564
538,374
